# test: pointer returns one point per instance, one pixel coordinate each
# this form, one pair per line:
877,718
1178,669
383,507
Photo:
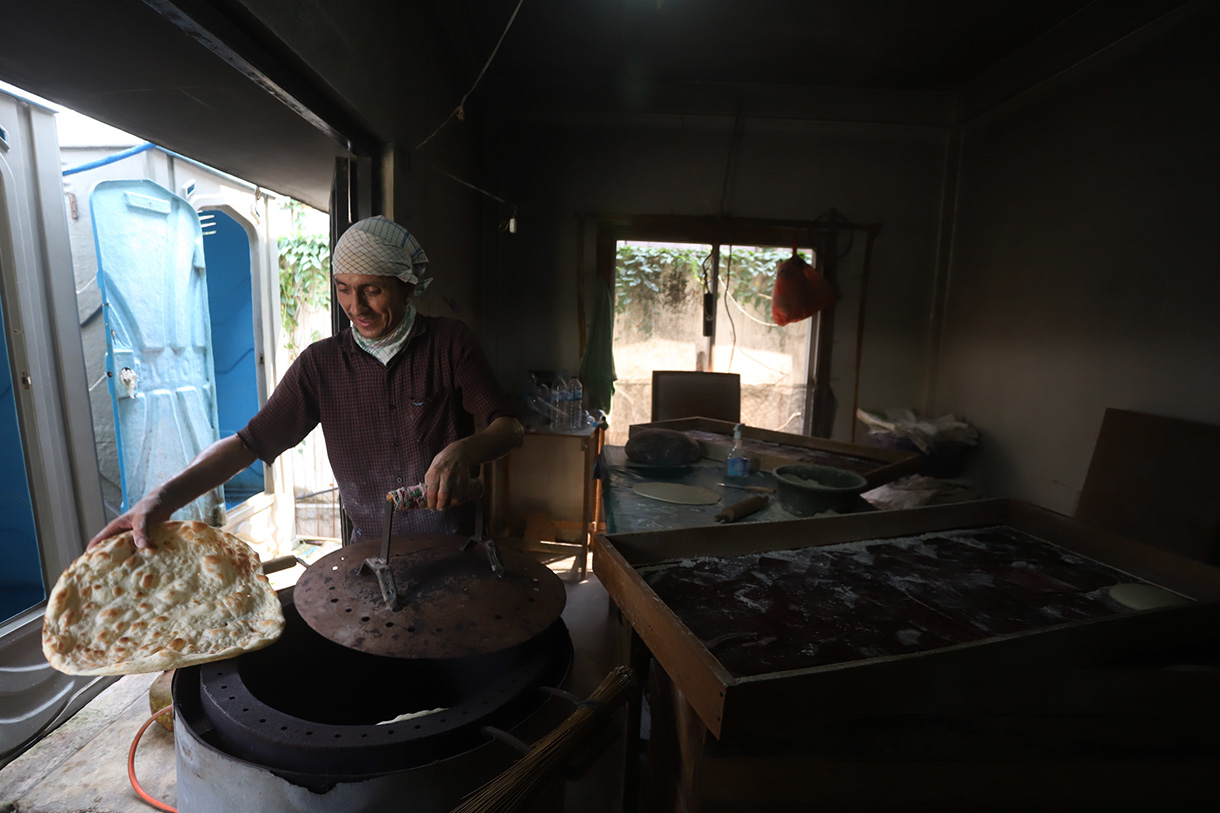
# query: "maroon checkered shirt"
383,425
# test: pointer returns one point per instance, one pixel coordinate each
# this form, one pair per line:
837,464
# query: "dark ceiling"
129,63
921,45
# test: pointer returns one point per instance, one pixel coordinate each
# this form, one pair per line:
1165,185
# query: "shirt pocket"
430,416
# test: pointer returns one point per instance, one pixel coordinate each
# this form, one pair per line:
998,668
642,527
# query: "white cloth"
381,247
387,347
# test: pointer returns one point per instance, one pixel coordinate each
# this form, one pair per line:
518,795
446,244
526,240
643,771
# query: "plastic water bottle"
737,465
559,402
576,397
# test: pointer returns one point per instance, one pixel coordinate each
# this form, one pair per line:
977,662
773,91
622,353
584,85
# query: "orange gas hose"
131,764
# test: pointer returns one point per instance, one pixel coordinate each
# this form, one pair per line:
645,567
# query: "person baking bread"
398,395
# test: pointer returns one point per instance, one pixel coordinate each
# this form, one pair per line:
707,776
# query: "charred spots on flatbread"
115,607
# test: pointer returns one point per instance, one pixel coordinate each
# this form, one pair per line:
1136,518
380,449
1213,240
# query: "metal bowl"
804,489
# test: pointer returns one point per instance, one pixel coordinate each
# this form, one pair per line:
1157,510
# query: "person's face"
374,303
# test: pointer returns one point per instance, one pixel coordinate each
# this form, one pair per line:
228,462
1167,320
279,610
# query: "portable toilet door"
152,276
22,586
226,248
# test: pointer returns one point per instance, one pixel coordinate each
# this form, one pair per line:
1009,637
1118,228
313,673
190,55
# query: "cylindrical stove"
301,725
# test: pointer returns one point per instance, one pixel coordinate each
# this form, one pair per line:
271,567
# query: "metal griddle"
450,603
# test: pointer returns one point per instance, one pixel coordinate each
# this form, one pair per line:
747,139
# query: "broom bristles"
510,790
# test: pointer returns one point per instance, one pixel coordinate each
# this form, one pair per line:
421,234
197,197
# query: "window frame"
817,416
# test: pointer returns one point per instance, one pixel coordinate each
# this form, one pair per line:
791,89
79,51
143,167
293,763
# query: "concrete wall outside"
1084,270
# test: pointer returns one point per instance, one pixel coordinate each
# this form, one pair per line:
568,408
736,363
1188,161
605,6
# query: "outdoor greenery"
304,275
648,277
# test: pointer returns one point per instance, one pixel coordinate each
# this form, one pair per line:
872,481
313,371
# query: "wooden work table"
626,511
1079,704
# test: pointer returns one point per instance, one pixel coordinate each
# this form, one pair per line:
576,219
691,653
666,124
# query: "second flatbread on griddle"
199,596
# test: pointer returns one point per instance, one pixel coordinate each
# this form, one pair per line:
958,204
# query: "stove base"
211,781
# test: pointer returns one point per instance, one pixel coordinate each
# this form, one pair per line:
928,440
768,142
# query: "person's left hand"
448,478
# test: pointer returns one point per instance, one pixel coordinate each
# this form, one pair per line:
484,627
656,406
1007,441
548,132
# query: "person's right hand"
137,519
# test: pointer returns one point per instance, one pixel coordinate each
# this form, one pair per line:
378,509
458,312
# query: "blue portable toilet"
152,275
21,586
226,250
241,277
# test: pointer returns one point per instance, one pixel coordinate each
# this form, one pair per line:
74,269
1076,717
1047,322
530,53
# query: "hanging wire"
728,275
690,163
703,266
734,144
749,315
460,111
832,218
469,185
781,373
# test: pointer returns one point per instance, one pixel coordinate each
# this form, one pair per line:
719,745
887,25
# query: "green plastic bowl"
804,489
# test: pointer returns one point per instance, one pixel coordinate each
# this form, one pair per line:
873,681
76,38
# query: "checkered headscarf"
379,246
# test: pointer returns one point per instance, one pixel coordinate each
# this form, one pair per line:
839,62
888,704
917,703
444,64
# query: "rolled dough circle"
1145,596
677,493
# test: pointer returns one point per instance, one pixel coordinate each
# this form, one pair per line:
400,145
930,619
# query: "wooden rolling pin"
743,509
754,489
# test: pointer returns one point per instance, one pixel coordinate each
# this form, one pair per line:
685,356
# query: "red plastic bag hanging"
800,291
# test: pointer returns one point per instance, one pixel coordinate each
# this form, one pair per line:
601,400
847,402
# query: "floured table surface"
801,454
815,606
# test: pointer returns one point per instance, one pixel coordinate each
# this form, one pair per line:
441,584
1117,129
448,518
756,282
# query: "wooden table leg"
639,658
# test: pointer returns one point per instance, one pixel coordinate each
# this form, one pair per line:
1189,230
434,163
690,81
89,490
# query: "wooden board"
81,765
768,449
1155,480
1008,671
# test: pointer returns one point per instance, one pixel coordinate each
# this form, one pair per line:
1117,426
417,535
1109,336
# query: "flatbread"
411,715
677,493
200,596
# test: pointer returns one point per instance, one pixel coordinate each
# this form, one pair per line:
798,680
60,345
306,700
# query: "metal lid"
451,604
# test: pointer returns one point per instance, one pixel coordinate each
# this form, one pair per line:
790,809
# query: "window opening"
664,294
305,317
226,248
254,243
